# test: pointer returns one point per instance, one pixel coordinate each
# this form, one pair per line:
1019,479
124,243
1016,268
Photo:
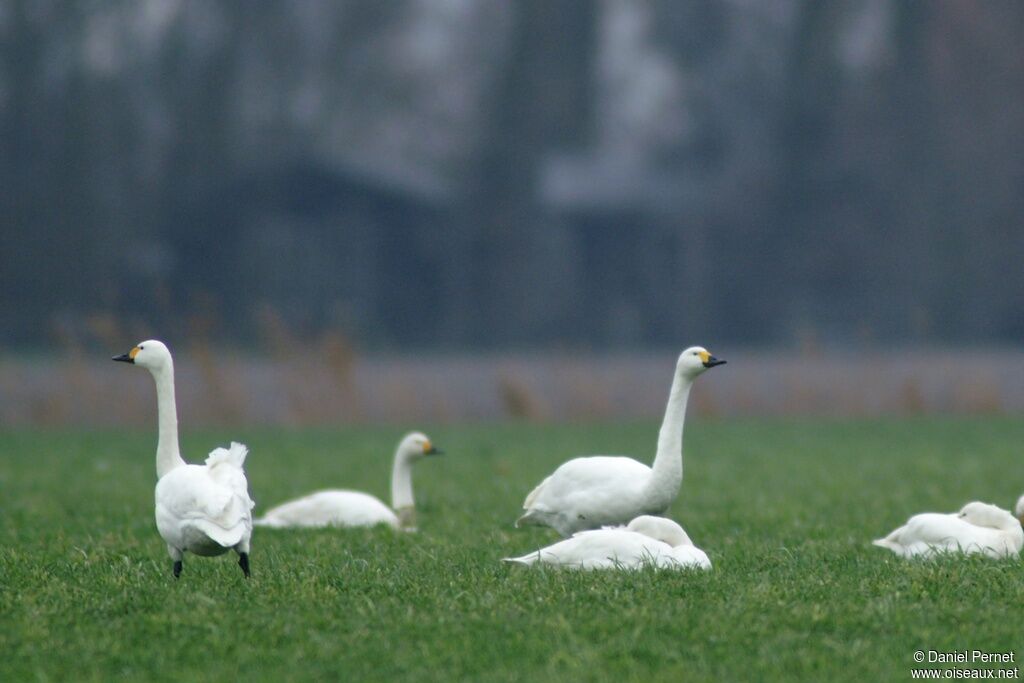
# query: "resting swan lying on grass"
201,509
353,508
977,528
647,540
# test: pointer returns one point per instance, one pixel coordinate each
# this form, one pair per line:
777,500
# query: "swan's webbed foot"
177,568
243,562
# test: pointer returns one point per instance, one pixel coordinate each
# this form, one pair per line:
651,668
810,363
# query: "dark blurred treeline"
473,174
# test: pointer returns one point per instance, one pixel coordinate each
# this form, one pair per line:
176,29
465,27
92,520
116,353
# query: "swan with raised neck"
203,509
593,491
647,541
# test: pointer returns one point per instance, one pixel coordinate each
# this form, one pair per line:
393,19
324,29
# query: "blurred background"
446,210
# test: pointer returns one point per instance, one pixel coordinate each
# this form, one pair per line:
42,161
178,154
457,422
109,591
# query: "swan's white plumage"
345,508
647,541
592,491
599,490
206,509
234,457
202,509
331,508
977,528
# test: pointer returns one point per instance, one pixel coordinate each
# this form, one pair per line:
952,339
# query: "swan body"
331,508
977,528
646,541
354,508
205,509
202,509
595,491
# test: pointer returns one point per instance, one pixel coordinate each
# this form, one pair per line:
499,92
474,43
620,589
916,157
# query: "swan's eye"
141,348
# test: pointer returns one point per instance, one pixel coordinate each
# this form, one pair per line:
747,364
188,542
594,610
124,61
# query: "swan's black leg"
177,568
243,562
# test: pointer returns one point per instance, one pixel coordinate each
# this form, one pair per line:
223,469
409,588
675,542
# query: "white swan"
202,509
647,540
599,490
977,528
352,508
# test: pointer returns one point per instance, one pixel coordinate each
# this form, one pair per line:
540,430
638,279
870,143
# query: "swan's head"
696,360
152,355
983,514
417,445
660,529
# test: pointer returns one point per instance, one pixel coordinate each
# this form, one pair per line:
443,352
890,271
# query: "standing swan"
202,509
599,490
977,528
353,508
647,540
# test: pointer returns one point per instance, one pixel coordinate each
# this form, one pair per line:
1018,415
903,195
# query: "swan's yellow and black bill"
709,360
128,357
430,449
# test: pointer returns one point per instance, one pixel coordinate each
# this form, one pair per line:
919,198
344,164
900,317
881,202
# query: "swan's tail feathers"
888,544
525,560
234,455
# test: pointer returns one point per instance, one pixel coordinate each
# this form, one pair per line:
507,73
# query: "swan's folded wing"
592,477
569,552
308,510
226,467
605,547
931,532
331,507
192,495
935,529
599,549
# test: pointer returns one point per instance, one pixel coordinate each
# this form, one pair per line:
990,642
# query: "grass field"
785,509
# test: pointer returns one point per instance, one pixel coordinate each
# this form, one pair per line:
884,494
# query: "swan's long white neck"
401,483
667,471
168,456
